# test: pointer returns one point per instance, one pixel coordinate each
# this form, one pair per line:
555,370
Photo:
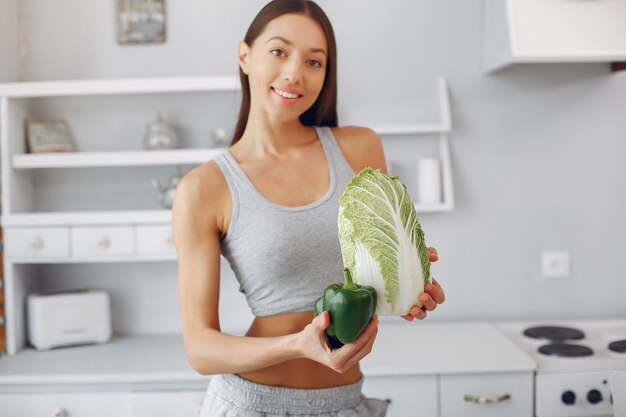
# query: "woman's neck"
264,136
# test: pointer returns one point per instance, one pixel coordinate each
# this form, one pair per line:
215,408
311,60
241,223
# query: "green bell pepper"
351,307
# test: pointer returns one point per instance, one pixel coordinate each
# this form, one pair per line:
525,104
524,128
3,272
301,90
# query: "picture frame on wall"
52,135
141,21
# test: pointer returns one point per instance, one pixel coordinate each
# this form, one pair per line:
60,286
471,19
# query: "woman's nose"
292,71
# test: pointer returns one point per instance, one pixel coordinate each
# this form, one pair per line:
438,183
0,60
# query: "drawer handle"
59,412
104,242
487,399
37,244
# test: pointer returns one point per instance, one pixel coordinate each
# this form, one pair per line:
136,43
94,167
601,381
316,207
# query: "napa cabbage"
382,242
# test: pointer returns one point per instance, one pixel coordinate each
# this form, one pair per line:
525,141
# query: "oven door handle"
487,399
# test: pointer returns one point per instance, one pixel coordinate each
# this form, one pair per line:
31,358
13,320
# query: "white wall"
537,149
8,41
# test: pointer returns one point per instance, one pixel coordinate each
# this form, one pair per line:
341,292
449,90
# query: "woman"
270,206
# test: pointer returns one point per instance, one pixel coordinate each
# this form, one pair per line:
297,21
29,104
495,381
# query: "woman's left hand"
433,294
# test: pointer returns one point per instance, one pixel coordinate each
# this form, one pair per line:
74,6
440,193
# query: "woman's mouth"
286,97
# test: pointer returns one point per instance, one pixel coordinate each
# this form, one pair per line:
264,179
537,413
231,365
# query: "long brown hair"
324,111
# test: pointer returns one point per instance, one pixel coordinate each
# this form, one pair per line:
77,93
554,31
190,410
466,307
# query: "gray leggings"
230,396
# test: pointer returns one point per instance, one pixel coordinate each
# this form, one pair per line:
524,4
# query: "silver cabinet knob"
59,412
104,242
37,244
487,399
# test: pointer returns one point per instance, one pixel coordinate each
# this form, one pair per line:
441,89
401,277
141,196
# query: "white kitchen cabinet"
167,403
104,404
533,31
487,395
407,395
101,404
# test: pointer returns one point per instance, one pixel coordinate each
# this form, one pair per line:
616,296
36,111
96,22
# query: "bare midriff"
294,373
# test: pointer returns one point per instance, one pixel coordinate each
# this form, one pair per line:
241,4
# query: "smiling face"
286,66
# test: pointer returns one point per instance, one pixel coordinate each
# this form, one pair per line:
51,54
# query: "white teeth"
285,94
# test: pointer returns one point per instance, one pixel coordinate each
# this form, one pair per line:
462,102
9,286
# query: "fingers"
435,291
360,354
351,353
322,321
432,254
418,313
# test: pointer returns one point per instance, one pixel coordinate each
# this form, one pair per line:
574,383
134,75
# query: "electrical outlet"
555,264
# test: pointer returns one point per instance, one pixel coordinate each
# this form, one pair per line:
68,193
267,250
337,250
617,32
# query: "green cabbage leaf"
382,242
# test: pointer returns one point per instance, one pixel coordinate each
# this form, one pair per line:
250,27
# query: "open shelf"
115,159
93,218
113,217
118,86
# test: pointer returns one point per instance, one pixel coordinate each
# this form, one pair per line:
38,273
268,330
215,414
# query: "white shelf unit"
442,130
40,237
20,216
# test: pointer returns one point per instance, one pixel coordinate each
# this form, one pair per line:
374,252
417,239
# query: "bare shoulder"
361,147
202,198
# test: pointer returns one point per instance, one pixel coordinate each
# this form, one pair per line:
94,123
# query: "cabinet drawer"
167,403
35,242
455,388
154,240
407,395
103,240
102,404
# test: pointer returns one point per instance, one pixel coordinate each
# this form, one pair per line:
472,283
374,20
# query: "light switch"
555,264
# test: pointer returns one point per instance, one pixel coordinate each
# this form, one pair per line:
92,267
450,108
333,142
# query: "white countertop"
129,359
415,348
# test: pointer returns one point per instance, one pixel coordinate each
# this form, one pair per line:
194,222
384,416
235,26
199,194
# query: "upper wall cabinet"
527,31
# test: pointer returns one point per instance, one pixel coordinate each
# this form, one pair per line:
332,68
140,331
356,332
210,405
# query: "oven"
581,365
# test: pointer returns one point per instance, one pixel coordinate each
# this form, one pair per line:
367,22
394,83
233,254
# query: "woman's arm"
196,229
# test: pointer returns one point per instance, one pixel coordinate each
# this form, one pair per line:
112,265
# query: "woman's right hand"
313,344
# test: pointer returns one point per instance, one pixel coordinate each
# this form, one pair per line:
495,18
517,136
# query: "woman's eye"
277,52
315,63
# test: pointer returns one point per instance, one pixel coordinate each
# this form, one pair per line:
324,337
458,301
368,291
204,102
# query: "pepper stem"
347,280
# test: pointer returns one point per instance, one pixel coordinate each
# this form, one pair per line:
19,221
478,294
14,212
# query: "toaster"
65,318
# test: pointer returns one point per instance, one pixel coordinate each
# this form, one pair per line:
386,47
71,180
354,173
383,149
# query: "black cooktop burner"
554,333
566,350
618,346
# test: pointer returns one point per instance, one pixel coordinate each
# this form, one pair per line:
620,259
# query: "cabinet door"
167,403
102,241
407,395
568,26
155,240
459,394
102,404
36,242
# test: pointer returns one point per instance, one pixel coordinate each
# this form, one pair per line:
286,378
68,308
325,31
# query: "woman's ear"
243,55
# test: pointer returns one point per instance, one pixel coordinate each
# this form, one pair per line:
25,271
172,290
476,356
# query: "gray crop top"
284,257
